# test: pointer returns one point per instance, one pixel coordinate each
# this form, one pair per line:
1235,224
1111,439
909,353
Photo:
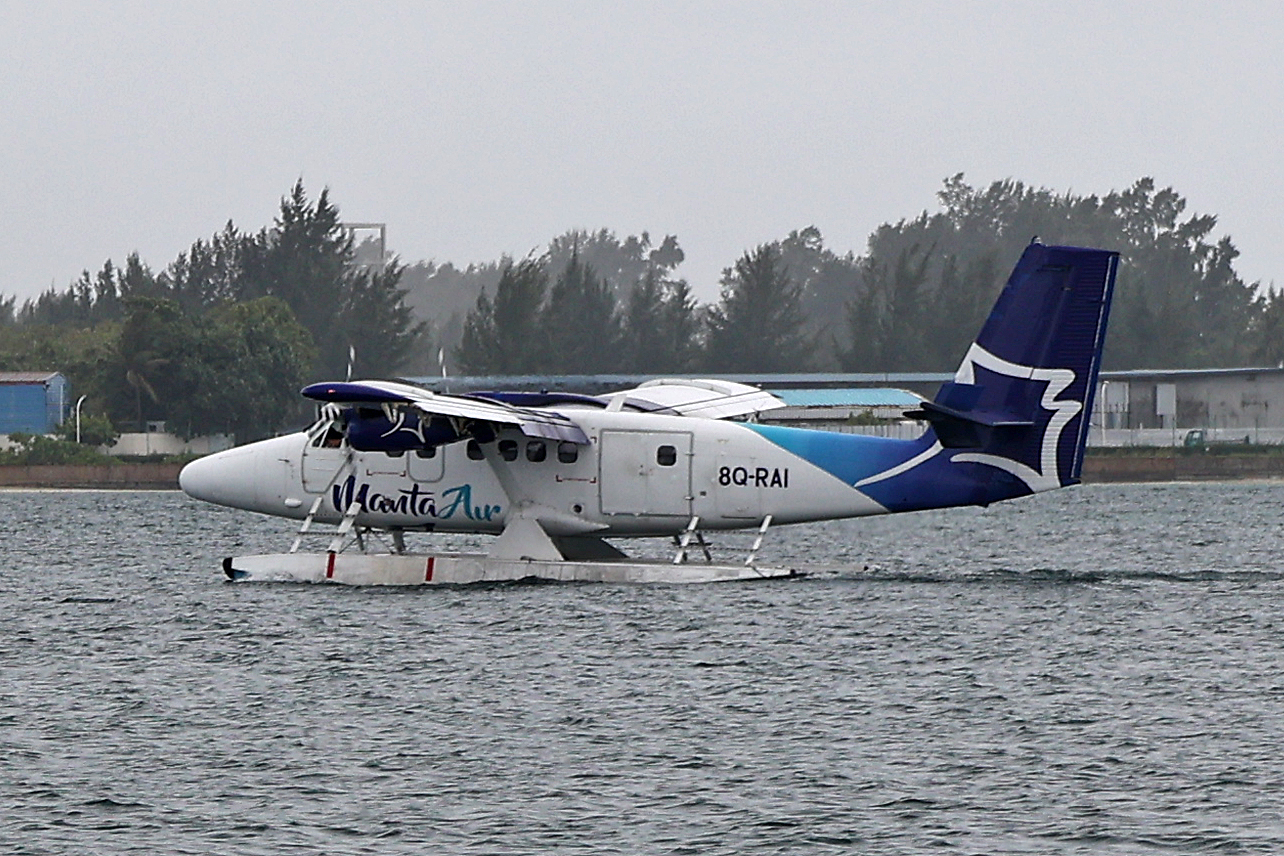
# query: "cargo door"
645,473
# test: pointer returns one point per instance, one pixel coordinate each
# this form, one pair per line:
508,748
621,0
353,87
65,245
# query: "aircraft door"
323,455
645,473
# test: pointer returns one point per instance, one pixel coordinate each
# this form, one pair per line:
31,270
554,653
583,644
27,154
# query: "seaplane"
563,480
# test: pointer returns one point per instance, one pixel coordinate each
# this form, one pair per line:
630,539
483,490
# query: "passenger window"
474,451
430,452
508,450
666,456
568,452
536,451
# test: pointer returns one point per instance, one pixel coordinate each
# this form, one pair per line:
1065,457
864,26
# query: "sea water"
1098,670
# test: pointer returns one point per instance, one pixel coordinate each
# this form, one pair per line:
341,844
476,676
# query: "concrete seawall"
1173,467
111,476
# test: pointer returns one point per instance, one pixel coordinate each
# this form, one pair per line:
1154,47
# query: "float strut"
757,542
680,557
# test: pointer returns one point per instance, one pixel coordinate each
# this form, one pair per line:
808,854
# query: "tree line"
912,302
222,338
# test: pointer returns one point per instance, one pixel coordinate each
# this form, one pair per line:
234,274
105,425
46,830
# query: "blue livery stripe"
849,457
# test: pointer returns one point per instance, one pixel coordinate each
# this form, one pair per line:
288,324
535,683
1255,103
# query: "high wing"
548,424
704,398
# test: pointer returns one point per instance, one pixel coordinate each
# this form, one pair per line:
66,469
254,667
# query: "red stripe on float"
432,560
329,567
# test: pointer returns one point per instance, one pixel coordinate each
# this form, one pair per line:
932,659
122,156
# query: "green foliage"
660,328
307,260
304,260
889,312
195,346
505,337
758,324
79,353
579,322
378,324
38,450
1267,334
236,369
223,338
244,372
620,263
95,430
1178,301
576,325
445,295
865,417
146,376
212,273
827,281
91,301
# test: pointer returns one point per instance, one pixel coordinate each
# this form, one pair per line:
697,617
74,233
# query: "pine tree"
580,326
377,324
758,324
660,327
504,336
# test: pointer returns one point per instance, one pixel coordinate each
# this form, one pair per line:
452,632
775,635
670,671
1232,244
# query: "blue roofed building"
844,403
32,402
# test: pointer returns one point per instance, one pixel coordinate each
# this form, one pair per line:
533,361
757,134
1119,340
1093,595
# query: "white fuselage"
639,474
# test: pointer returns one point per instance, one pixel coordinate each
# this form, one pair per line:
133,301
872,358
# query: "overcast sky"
477,129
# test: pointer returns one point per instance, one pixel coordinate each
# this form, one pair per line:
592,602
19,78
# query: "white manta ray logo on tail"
1057,380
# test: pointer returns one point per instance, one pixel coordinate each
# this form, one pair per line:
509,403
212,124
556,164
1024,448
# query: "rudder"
1021,398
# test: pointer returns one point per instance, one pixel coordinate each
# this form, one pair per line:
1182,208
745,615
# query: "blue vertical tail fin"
1021,399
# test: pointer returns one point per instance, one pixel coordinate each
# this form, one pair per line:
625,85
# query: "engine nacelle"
370,430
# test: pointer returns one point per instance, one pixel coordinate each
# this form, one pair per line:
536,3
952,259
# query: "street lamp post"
1105,408
79,402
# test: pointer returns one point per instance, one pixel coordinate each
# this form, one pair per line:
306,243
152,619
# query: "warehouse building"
1160,408
32,402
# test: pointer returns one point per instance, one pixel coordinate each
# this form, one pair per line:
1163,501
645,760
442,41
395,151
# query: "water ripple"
1095,671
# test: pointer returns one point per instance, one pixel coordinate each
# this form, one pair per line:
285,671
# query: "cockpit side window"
330,438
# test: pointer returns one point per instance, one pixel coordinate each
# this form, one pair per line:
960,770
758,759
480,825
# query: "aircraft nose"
224,478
